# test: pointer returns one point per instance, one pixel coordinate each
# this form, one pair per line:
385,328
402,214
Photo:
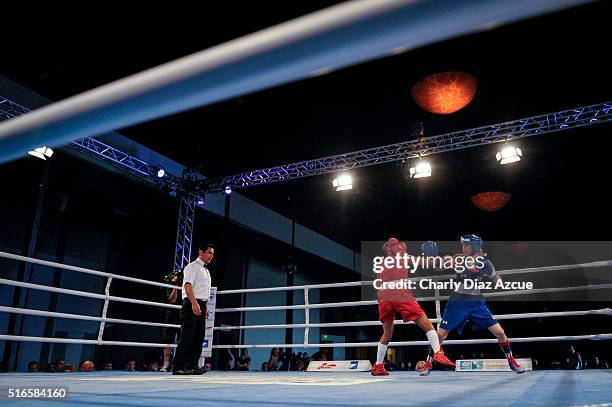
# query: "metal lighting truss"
191,185
184,233
99,153
532,126
98,150
9,109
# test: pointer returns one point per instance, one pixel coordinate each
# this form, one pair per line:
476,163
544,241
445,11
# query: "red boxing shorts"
410,310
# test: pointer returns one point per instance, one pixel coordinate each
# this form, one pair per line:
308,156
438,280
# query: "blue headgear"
474,240
429,248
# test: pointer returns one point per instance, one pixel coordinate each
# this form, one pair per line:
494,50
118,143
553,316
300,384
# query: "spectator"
574,361
282,361
51,368
33,367
60,365
150,361
87,366
69,368
244,362
130,365
273,363
264,367
595,364
231,363
153,366
207,367
305,360
108,366
299,366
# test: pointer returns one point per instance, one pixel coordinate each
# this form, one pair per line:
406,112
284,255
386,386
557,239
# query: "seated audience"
60,365
130,365
244,362
274,363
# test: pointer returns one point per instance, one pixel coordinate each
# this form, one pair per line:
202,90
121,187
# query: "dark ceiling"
536,66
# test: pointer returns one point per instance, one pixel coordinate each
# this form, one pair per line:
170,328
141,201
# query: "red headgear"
394,246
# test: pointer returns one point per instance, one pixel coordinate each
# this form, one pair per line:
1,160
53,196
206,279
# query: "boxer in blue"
467,304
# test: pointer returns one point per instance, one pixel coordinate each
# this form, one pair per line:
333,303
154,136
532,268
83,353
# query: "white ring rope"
83,341
85,294
420,343
284,307
286,288
295,287
602,311
40,313
81,269
443,298
594,264
26,311
307,306
310,345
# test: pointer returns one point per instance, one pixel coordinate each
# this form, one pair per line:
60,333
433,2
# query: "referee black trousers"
189,347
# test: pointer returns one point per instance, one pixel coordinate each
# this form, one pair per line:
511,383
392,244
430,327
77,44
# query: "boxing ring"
310,46
296,388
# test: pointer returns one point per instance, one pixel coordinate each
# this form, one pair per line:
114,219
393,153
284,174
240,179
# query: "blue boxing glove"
429,248
488,270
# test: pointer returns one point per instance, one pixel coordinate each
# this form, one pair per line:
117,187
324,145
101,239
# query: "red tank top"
396,294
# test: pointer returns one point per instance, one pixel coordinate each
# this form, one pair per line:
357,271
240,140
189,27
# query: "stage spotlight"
420,170
343,182
161,172
200,200
227,190
41,152
509,155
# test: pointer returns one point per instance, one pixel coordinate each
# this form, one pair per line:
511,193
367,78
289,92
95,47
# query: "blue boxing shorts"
458,312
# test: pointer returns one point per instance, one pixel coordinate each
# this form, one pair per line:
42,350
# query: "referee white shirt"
198,275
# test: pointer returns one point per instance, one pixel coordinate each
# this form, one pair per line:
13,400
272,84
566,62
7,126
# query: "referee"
196,293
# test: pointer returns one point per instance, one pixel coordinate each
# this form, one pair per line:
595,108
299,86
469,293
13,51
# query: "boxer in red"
402,301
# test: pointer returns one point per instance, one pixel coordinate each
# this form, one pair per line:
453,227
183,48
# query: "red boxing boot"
379,370
441,358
